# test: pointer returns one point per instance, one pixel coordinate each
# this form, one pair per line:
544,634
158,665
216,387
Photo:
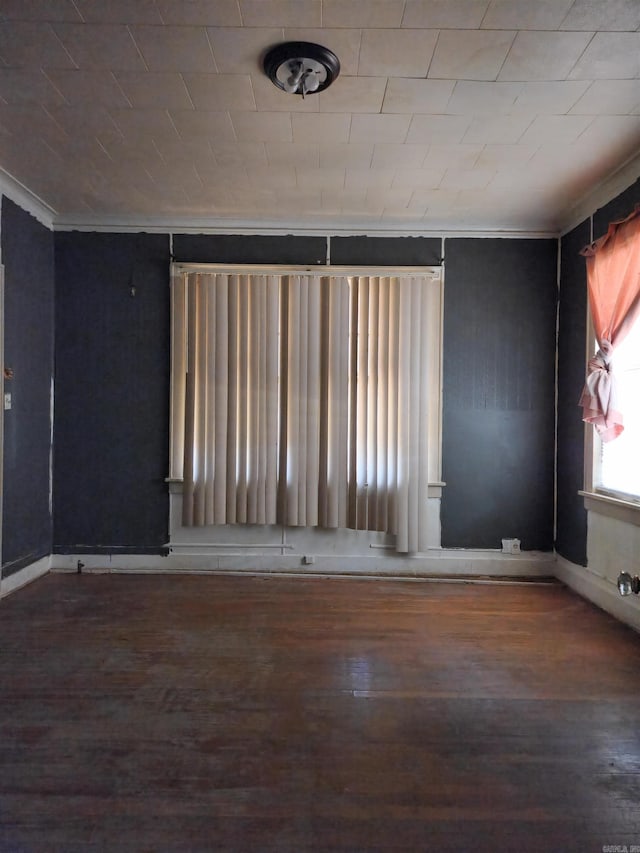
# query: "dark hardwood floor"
165,713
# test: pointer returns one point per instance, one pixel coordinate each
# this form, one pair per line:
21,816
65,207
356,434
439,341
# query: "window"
617,463
307,397
612,387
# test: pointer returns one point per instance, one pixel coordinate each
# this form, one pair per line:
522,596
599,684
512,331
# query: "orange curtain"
613,277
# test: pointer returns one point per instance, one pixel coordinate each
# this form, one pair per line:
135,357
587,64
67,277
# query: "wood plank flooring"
203,713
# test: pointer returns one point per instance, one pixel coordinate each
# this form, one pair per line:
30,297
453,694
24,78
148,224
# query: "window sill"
621,510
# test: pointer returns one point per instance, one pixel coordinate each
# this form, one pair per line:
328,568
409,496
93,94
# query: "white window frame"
435,273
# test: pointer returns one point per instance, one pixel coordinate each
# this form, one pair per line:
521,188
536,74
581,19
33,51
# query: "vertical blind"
306,399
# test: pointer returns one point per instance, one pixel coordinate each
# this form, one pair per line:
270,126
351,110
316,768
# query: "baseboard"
445,563
599,591
24,576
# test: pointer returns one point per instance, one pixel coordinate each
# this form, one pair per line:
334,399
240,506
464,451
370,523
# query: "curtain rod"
433,271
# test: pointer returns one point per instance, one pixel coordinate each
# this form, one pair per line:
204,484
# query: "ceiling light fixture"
301,67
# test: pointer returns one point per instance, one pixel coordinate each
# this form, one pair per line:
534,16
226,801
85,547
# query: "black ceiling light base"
301,67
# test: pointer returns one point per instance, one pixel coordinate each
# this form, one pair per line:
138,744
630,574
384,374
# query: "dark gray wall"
498,385
27,254
371,251
112,392
112,360
618,208
571,536
256,249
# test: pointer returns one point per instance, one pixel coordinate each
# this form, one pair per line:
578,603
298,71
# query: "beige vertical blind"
306,400
230,399
314,400
391,321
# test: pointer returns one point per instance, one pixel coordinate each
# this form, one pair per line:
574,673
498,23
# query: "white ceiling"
447,114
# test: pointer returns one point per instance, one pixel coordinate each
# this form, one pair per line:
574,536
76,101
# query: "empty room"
320,455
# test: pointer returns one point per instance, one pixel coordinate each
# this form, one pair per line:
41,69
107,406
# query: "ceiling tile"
119,12
157,91
555,129
346,155
220,91
262,127
88,87
362,178
302,154
333,204
411,213
611,97
84,120
543,56
600,155
184,150
394,197
353,94
281,13
182,177
320,179
272,177
210,13
620,135
462,156
232,154
175,48
100,46
498,156
613,56
213,176
21,86
355,13
470,54
598,15
525,14
144,124
444,14
269,98
202,160
238,50
86,153
475,98
406,95
300,200
467,179
396,53
424,179
437,129
436,201
395,156
321,127
344,43
496,129
379,128
33,45
210,125
39,10
552,98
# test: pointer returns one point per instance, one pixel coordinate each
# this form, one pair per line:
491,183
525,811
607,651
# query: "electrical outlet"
7,401
510,546
308,560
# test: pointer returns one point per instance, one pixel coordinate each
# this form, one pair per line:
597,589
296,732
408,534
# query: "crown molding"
26,199
256,227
